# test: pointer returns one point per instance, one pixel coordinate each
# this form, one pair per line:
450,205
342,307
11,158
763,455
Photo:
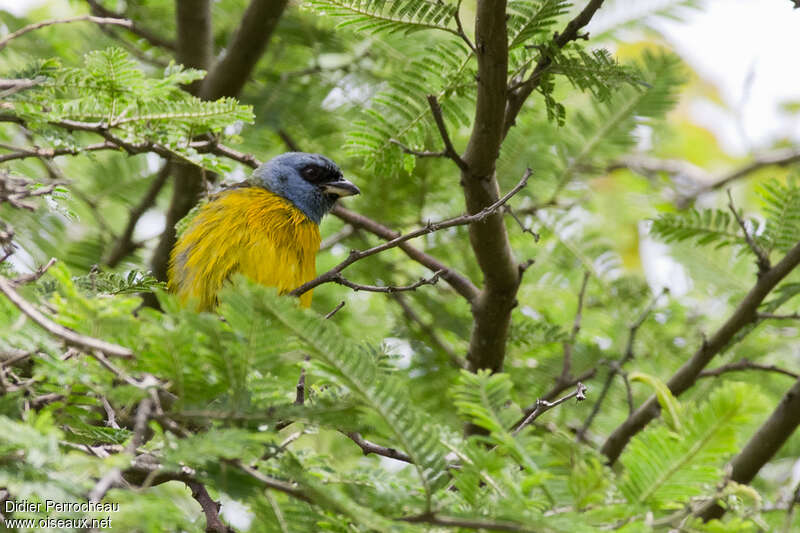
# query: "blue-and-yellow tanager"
266,228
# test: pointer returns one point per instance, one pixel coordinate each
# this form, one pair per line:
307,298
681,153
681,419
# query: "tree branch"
617,368
744,315
431,227
229,74
542,406
32,27
426,328
746,364
125,244
370,447
49,153
134,28
576,327
491,310
386,289
468,523
520,93
449,151
210,508
762,260
460,283
70,337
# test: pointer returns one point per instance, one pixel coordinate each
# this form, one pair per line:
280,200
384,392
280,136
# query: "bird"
266,227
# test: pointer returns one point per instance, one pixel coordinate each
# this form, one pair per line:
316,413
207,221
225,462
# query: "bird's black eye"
312,174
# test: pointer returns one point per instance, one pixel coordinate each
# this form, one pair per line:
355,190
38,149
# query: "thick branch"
763,445
125,244
744,315
491,310
233,69
210,508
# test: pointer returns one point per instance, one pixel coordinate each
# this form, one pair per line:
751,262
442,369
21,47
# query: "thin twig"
370,447
417,153
431,227
746,364
773,316
523,227
468,523
542,406
97,20
460,28
134,28
110,414
114,476
762,260
458,281
449,151
428,329
21,152
334,310
387,289
72,338
35,275
576,327
617,367
125,244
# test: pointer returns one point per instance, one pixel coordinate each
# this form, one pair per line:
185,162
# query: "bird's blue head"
312,182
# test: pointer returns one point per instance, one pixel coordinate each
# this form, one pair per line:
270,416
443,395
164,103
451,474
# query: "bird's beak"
341,188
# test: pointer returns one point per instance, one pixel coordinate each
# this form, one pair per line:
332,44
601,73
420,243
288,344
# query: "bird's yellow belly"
247,230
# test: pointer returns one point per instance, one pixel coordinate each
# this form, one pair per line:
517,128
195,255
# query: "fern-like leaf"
528,19
391,16
401,111
782,206
351,367
707,226
666,467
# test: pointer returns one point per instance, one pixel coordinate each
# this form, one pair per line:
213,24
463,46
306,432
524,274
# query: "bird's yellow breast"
248,230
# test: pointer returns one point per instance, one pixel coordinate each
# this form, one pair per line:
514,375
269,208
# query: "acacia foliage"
222,387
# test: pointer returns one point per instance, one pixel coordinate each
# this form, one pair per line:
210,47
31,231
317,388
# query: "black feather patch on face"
320,173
